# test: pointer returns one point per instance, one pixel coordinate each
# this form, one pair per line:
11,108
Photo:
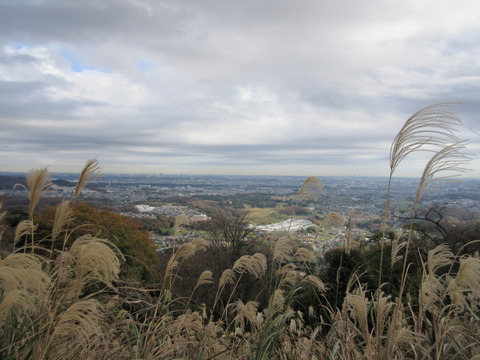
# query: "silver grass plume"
311,189
432,287
358,304
397,246
399,337
438,257
23,283
90,171
184,252
246,311
255,265
464,289
277,300
200,244
227,277
429,127
288,275
382,310
63,216
446,163
283,249
260,264
79,326
315,282
189,322
180,220
348,241
38,183
24,228
95,260
2,226
205,278
305,255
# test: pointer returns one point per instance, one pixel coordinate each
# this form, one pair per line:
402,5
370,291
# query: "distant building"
287,225
144,208
197,218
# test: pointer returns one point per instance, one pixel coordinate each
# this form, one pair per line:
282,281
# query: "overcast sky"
299,87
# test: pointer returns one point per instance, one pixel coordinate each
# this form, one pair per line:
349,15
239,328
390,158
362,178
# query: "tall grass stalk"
431,129
90,171
446,163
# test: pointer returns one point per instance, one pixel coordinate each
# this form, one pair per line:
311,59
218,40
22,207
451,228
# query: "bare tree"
231,233
443,224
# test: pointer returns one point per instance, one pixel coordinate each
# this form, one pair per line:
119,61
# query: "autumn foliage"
126,234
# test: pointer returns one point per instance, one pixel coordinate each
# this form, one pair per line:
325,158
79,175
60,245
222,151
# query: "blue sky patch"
19,46
143,66
76,64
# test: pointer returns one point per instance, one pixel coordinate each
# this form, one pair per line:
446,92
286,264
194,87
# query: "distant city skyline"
240,88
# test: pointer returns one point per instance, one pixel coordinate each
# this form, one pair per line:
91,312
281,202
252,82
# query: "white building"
144,208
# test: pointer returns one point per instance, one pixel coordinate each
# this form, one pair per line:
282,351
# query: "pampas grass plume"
24,227
315,282
22,282
205,278
255,265
311,189
38,183
283,249
245,311
288,275
90,171
446,163
305,255
79,326
96,260
430,127
63,216
227,277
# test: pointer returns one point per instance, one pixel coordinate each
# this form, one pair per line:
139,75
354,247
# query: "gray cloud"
269,87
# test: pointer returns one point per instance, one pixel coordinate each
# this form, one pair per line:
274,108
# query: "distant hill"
8,182
65,183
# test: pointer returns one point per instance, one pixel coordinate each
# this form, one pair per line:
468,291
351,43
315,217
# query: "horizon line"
16,173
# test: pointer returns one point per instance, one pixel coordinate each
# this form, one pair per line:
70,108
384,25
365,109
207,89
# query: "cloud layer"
258,87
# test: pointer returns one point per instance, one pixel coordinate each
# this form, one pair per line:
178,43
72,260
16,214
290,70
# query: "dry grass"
38,183
2,227
445,164
263,216
90,171
63,217
255,265
429,129
311,189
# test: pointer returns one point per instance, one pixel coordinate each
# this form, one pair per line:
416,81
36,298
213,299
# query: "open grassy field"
263,216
